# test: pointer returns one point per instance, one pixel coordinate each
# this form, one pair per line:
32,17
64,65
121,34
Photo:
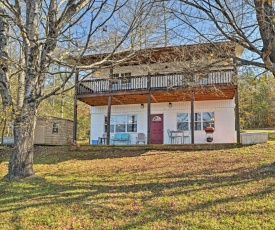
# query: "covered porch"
174,116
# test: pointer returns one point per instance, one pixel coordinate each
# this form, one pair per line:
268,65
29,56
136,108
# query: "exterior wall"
223,109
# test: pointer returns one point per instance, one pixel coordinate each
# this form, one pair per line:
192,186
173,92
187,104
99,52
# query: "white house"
170,94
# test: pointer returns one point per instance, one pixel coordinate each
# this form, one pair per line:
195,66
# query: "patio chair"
103,139
140,138
173,139
186,135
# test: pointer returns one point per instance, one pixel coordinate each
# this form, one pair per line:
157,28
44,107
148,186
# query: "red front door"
156,128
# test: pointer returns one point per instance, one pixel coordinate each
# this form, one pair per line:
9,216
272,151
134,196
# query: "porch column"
109,106
148,107
148,117
237,113
192,117
237,116
75,108
109,119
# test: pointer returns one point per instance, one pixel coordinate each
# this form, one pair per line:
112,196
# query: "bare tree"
249,23
41,31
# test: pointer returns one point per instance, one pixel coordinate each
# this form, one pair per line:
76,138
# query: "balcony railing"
161,81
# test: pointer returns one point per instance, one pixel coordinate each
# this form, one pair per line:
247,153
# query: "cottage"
169,94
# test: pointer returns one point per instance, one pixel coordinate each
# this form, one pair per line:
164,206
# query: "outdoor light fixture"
142,106
170,105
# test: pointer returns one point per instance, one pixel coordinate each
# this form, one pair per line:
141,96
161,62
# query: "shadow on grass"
57,154
165,213
45,154
47,157
39,192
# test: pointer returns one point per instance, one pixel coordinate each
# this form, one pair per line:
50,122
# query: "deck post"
75,108
148,108
192,117
237,116
109,106
237,112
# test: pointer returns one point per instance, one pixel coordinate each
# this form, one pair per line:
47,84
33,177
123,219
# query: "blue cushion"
117,136
125,135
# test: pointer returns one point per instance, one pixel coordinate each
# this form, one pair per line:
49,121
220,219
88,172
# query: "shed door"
156,128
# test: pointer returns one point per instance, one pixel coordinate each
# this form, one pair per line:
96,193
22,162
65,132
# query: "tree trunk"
21,162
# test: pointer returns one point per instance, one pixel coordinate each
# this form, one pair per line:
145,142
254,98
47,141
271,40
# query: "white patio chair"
186,135
140,138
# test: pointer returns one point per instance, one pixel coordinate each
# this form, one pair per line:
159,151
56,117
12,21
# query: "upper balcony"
160,84
155,82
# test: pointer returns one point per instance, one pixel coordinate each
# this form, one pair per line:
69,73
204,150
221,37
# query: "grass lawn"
120,188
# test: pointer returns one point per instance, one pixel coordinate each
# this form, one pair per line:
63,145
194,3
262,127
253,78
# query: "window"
125,74
55,128
122,82
197,121
115,80
126,77
208,119
156,118
182,121
112,124
201,120
122,124
131,123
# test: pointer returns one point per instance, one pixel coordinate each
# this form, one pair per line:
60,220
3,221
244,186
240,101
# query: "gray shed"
53,131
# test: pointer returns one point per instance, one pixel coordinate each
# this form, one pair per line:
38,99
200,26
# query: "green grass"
271,136
118,188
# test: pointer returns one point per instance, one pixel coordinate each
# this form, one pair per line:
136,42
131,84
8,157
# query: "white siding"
223,109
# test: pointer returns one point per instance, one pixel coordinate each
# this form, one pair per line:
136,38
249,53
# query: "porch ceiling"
125,98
